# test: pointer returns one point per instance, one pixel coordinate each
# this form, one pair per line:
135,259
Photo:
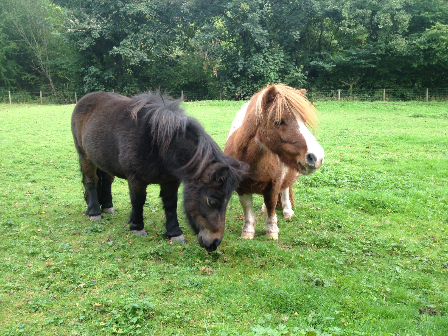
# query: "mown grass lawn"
366,253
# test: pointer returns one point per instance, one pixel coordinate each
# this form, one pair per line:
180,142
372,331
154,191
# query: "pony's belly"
268,171
249,186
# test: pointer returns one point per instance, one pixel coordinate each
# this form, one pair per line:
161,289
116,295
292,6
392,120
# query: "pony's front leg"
168,193
246,202
286,204
137,190
270,200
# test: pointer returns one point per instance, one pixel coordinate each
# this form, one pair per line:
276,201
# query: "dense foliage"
231,47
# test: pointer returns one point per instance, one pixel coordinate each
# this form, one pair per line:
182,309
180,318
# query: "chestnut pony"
270,134
148,139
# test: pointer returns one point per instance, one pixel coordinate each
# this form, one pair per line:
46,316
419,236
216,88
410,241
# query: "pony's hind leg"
248,231
286,204
104,190
90,181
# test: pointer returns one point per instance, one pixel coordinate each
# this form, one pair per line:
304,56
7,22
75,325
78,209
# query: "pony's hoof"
140,232
95,218
248,235
287,214
263,207
109,211
179,239
272,235
136,227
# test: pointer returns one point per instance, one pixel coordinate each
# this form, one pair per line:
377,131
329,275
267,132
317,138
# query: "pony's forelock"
286,99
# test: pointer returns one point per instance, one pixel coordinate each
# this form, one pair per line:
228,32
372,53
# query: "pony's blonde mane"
286,99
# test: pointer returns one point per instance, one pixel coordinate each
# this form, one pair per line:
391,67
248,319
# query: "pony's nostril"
311,159
214,245
201,243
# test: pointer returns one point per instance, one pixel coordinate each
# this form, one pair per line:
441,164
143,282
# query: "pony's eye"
279,123
212,203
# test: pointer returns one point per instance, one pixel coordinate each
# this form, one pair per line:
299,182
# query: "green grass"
366,253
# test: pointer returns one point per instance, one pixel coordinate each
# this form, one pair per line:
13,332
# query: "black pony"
148,139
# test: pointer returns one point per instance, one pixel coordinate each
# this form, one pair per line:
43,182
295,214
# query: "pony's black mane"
168,120
164,115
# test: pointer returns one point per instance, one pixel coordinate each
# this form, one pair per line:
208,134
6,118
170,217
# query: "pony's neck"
248,129
193,152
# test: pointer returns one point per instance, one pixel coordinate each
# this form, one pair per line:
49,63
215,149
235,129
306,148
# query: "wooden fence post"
9,94
76,99
40,93
427,95
220,96
339,94
182,95
384,94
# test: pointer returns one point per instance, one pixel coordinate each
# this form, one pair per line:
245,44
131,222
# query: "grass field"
366,253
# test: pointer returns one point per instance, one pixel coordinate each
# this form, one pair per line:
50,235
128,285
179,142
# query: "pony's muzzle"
311,164
312,161
208,245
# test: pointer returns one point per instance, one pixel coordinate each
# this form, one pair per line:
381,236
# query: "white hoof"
287,214
263,207
248,235
95,218
272,235
109,211
271,227
179,239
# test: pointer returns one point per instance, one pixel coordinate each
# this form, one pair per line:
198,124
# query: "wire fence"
71,97
434,94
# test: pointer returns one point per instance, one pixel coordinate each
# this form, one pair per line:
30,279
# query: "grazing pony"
270,134
148,139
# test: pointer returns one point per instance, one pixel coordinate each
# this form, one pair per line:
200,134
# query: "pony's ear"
235,167
302,92
238,166
221,174
269,96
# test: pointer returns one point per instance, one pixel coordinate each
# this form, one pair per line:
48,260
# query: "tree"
243,37
231,46
130,46
9,68
371,42
32,21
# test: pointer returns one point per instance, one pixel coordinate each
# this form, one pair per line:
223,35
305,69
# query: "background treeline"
228,47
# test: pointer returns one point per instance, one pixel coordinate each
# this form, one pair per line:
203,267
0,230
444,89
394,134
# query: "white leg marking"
271,227
286,203
248,230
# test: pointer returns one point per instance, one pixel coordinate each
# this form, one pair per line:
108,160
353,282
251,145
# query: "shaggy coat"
148,139
271,135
